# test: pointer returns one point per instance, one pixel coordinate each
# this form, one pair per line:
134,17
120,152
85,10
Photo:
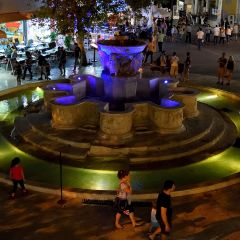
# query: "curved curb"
103,195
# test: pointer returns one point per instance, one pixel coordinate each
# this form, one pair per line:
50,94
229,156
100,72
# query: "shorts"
121,206
221,72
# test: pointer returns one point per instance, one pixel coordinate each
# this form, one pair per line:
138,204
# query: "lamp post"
61,201
171,14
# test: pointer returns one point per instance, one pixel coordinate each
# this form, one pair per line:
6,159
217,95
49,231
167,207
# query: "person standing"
161,36
77,52
17,176
230,68
62,61
123,200
18,72
208,33
41,62
228,33
216,33
163,62
222,35
222,61
188,33
235,31
200,38
187,66
164,211
174,65
28,65
150,49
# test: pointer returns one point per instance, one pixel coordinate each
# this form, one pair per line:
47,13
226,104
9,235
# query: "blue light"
165,81
167,103
66,100
79,78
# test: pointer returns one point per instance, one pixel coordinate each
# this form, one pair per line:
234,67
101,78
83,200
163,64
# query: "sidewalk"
210,216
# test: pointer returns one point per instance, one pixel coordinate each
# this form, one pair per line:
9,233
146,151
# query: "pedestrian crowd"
23,66
161,212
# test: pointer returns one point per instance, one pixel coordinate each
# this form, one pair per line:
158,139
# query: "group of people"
21,68
170,64
161,215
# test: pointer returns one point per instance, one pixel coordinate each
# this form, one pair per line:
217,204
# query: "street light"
171,14
61,201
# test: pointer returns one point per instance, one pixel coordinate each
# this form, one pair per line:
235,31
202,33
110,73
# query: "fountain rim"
138,43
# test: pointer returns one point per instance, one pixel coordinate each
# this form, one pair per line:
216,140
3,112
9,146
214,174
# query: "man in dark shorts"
222,61
164,211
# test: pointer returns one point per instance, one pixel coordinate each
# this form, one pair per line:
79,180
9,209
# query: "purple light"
79,78
60,87
66,100
165,81
167,103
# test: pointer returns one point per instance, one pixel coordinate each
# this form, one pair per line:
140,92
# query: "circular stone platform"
205,135
208,172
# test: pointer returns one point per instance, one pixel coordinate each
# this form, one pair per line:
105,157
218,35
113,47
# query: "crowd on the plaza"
38,62
179,68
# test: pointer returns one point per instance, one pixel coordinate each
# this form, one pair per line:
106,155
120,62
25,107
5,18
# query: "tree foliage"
74,14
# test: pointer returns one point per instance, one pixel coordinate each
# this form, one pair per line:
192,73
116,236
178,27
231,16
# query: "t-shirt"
174,61
216,31
16,172
161,37
164,200
153,215
222,62
230,65
77,51
122,190
200,35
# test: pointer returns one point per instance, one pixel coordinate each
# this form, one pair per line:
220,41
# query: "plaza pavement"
213,215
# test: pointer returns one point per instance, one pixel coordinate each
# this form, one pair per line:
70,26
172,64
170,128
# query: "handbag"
120,204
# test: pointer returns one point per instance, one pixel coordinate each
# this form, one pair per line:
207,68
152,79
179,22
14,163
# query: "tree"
78,16
74,17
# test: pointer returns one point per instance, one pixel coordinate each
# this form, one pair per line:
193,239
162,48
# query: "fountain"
125,119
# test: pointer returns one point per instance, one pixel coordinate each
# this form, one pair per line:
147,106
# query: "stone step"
40,142
41,124
218,139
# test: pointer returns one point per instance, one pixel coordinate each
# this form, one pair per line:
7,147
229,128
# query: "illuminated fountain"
125,119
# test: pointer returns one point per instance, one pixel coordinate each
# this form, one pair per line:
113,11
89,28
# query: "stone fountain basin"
121,47
188,96
167,117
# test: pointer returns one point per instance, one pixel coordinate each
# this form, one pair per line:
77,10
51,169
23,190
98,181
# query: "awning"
14,16
3,34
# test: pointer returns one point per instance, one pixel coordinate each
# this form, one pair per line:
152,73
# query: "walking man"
164,211
216,33
77,52
161,36
222,61
188,33
200,38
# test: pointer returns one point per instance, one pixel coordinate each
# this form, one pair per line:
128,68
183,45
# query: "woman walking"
123,200
230,68
17,176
